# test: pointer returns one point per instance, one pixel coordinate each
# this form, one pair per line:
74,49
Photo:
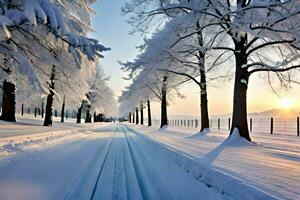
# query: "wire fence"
288,126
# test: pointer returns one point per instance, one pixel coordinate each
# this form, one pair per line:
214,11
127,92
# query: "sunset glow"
286,103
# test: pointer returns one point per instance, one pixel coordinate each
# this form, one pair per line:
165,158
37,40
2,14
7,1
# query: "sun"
286,103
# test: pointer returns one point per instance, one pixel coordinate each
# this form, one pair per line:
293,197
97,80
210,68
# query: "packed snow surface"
271,164
124,161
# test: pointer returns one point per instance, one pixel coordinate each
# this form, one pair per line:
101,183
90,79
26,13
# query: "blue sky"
112,30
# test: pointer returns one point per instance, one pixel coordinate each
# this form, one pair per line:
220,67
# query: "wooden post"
298,128
218,123
22,110
228,123
196,123
250,124
271,125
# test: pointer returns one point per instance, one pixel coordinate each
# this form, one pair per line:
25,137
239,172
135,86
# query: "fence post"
250,124
228,123
298,128
218,123
196,123
271,125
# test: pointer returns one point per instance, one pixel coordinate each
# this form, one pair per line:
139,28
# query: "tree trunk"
48,116
164,114
50,98
62,114
142,114
203,88
67,114
35,112
149,113
95,117
88,117
129,117
8,102
42,109
133,117
79,114
136,115
22,110
204,104
239,115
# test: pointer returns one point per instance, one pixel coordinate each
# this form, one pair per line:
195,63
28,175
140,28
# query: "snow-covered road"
111,162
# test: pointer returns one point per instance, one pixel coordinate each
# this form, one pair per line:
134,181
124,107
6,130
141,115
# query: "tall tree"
31,40
250,31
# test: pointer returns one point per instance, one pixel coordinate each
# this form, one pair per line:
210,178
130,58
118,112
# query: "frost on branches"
39,35
254,35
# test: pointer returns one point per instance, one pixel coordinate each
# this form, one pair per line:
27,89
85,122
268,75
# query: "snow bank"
235,139
13,145
163,128
205,131
221,182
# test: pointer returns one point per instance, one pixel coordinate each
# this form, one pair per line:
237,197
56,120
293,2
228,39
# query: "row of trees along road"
46,55
207,40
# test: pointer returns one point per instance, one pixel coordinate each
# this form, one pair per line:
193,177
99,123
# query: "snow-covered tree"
34,35
255,29
149,83
101,96
184,40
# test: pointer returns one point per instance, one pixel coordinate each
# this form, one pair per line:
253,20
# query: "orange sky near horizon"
220,99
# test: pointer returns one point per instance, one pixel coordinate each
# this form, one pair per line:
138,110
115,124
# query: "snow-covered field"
272,165
125,161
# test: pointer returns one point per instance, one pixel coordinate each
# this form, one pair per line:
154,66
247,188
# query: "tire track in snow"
87,172
148,184
101,169
144,145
